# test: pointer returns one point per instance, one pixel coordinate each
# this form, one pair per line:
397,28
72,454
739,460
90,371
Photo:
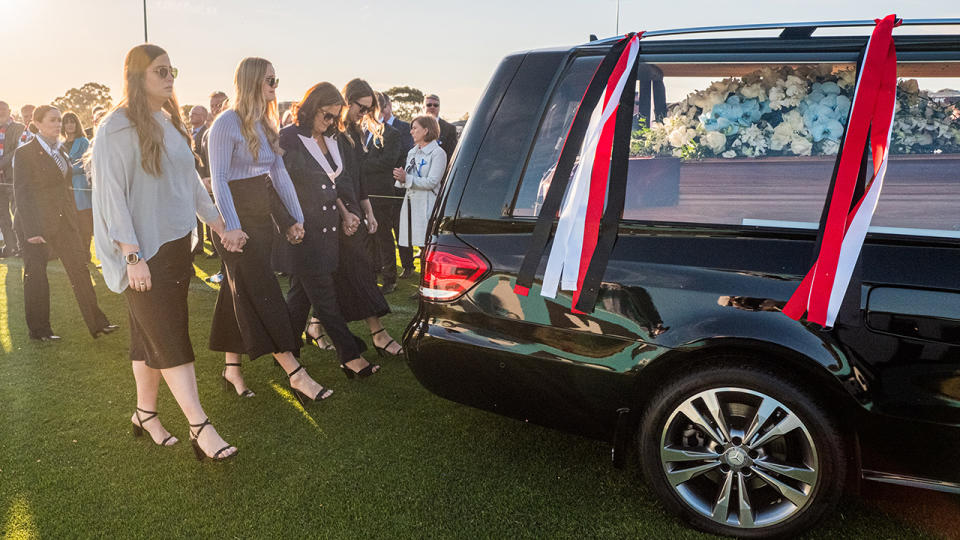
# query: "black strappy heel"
197,451
227,385
381,351
363,373
138,430
303,398
316,340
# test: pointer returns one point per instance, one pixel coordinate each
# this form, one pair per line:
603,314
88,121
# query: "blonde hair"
149,131
252,107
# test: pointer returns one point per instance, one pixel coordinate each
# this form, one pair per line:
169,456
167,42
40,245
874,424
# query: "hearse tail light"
449,272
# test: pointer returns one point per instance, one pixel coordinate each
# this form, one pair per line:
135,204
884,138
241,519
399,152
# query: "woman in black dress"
314,160
245,168
360,296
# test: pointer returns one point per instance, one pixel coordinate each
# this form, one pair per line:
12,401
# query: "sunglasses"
432,105
327,117
363,108
273,82
164,71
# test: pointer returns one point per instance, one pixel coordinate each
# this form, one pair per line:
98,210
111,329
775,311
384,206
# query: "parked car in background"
745,422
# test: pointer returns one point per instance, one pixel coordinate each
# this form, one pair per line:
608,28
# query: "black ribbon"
561,175
616,195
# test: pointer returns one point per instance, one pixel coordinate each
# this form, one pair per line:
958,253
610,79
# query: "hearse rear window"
754,145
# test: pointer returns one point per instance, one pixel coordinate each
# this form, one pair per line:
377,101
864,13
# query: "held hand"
36,240
295,233
234,240
399,175
371,223
350,223
138,276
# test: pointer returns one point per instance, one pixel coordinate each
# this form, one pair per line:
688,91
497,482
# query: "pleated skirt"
358,294
251,315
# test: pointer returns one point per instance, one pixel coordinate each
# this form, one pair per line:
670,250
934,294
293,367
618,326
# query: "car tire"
723,473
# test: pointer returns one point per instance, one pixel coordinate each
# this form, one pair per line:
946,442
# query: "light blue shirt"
230,159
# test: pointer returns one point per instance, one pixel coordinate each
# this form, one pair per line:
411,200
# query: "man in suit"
448,133
198,125
377,172
10,133
393,226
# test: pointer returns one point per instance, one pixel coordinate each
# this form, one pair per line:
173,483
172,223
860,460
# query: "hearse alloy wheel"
736,458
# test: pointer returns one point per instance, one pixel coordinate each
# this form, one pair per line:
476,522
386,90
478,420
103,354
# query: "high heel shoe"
138,430
227,385
197,451
384,351
363,373
316,341
323,394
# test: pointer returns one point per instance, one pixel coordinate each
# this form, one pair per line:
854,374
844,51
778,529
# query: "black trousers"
384,245
6,223
318,291
406,252
63,241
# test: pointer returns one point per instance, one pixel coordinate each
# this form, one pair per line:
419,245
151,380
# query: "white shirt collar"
49,150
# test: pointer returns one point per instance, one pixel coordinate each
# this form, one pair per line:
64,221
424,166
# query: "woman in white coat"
426,163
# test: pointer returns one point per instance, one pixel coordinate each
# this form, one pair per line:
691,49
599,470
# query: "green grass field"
382,458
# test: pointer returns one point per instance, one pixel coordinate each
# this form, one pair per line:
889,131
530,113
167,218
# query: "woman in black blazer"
47,217
315,163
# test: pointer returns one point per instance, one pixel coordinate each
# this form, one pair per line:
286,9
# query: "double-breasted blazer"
318,253
42,191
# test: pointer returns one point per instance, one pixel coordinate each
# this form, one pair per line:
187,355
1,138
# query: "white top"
134,207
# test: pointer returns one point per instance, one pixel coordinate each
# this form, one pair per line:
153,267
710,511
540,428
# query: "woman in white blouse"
426,163
146,198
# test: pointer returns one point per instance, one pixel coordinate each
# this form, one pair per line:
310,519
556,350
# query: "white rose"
715,141
800,145
729,154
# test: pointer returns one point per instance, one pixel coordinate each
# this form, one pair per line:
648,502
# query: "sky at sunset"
450,48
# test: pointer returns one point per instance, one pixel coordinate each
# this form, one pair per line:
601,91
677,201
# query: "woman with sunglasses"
245,167
359,296
313,157
146,199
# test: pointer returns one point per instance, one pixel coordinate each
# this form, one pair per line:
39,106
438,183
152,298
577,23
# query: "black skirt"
251,315
356,279
159,329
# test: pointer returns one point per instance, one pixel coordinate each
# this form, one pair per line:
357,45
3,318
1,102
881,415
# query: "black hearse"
745,421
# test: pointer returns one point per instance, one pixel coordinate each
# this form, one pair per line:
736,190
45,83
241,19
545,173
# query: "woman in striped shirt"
245,165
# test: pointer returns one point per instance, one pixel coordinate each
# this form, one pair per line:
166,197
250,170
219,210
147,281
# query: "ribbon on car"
849,207
595,151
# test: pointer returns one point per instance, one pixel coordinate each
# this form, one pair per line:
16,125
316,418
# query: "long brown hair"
252,107
77,133
317,97
135,100
352,91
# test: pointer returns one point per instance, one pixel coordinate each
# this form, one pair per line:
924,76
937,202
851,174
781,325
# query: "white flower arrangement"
788,110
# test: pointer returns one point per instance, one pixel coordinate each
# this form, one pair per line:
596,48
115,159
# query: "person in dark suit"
47,216
377,171
10,133
198,125
314,160
448,133
406,143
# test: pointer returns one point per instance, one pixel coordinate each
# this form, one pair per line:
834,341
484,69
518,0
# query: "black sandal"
363,373
227,385
381,351
323,394
138,430
316,340
197,451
